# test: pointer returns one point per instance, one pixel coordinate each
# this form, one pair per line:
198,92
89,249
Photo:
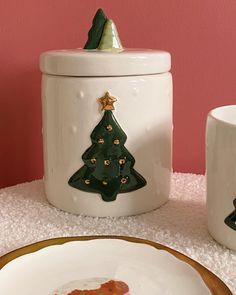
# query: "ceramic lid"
79,62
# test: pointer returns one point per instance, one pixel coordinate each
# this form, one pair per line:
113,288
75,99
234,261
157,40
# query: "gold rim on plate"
215,285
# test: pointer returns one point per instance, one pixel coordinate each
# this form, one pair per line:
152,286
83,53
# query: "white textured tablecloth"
26,217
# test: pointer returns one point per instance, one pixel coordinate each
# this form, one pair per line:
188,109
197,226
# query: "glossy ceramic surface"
95,32
221,173
90,63
103,34
110,40
146,267
70,112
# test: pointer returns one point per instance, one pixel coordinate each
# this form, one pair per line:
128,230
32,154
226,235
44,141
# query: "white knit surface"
26,217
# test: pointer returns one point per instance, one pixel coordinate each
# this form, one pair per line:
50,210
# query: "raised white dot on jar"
158,163
80,94
135,91
158,192
73,129
75,199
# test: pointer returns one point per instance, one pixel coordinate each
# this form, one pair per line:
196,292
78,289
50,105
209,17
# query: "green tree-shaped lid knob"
103,34
110,40
95,33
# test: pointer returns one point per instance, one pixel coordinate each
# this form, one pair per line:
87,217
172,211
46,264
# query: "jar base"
128,204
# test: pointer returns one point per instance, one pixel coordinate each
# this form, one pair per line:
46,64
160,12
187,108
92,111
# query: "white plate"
145,269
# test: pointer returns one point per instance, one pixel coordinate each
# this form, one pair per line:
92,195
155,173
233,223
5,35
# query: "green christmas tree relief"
95,33
231,219
108,165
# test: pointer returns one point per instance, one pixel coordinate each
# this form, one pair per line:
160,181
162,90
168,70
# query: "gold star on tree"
107,101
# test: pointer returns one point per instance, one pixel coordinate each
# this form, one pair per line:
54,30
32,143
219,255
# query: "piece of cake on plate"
96,286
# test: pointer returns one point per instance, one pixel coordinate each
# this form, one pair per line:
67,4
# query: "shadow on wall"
20,126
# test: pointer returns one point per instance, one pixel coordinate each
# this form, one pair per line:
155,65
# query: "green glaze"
110,40
112,174
231,219
95,33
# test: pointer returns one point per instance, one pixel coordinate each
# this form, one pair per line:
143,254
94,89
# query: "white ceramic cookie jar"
107,129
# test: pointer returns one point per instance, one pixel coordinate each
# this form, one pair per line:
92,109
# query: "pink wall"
200,34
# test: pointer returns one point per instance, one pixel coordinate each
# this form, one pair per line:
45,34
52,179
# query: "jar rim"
96,63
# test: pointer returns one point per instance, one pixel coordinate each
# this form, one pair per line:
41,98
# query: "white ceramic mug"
221,174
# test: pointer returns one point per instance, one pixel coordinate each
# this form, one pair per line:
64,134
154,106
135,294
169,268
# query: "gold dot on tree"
122,161
107,162
101,140
93,160
116,141
87,181
104,182
124,180
109,127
